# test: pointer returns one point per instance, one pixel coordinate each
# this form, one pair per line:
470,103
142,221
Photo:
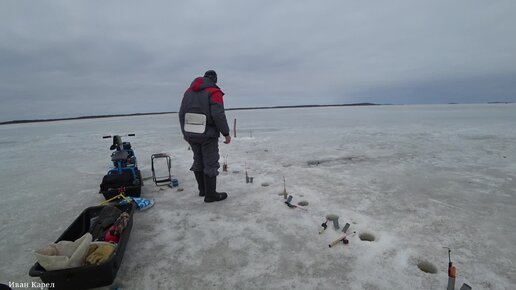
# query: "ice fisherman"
202,120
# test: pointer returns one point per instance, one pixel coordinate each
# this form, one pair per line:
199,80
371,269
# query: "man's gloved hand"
227,139
100,255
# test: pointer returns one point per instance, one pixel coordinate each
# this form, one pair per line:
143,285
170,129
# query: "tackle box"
90,276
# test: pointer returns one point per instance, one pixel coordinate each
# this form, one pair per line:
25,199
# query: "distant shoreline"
174,112
229,109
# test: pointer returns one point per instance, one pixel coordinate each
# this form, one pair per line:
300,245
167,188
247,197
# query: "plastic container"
90,276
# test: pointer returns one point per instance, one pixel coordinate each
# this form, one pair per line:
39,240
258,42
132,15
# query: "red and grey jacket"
204,97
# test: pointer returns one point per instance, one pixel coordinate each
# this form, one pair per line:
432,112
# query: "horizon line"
228,109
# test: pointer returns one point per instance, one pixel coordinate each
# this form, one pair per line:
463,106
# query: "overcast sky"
74,58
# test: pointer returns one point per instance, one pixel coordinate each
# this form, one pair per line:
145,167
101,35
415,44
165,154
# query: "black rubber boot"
199,176
210,186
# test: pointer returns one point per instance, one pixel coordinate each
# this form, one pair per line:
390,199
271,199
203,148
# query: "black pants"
206,156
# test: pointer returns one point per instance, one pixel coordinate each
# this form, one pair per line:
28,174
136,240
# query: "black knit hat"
212,75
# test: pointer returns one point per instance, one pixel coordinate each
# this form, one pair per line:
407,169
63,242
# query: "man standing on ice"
202,120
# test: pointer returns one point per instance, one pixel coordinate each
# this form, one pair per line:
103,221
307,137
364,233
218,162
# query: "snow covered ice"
416,178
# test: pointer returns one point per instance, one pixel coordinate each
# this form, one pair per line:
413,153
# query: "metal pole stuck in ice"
234,128
284,188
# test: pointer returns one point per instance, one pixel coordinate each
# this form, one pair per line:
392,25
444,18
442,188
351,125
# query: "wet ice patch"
336,161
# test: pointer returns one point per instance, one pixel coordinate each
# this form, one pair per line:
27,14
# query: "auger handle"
109,136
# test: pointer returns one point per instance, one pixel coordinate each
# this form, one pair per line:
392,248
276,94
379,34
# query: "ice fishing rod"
343,239
289,199
284,188
225,165
324,226
248,179
452,272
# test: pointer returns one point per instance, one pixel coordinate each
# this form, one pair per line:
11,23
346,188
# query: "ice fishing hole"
265,184
427,267
368,237
303,203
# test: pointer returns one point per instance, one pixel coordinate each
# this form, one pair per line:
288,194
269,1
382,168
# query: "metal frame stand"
166,180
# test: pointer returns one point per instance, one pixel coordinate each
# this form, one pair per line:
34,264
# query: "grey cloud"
85,56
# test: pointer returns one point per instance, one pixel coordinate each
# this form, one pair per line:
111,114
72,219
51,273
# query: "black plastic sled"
90,276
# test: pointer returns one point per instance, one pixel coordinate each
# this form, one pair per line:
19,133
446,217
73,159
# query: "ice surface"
416,178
